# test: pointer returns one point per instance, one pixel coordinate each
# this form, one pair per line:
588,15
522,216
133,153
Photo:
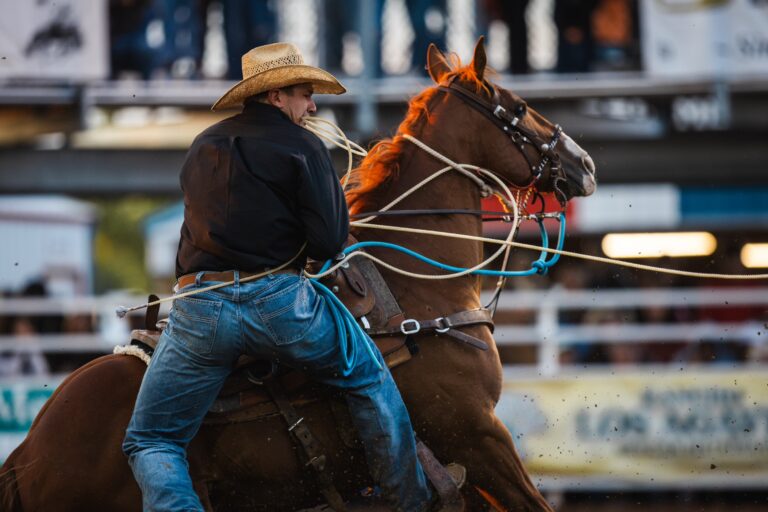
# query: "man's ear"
273,97
479,59
437,65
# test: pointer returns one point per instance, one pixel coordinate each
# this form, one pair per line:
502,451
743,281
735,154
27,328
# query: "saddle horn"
150,320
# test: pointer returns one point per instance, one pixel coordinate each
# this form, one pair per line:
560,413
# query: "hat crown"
274,66
270,56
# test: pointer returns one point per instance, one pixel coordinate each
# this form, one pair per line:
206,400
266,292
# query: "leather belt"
226,276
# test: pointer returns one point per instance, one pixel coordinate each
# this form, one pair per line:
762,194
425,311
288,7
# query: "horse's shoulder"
106,378
109,372
113,366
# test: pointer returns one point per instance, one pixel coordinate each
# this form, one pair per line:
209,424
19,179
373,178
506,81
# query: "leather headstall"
509,123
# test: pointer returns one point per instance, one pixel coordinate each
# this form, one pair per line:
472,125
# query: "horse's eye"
520,110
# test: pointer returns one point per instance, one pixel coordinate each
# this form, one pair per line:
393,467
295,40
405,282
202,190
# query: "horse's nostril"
588,163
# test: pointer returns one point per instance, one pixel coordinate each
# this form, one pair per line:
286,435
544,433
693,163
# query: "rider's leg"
298,328
196,353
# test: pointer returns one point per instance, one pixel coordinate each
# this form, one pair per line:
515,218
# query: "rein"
539,266
436,211
497,215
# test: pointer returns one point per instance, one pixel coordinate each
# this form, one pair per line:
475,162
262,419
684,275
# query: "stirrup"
447,480
454,502
458,474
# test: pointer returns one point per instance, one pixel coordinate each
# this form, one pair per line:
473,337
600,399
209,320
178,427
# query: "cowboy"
259,191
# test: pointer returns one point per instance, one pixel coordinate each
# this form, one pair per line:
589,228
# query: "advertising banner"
704,37
61,39
626,428
651,428
20,401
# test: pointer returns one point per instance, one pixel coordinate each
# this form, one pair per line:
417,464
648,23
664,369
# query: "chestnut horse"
71,458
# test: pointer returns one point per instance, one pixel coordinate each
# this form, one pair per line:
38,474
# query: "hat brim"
277,78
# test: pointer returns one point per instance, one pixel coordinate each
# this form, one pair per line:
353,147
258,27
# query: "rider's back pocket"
194,322
287,314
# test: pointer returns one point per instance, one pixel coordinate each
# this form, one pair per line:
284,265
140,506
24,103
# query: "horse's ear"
437,65
479,59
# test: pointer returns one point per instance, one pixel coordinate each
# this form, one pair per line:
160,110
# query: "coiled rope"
350,334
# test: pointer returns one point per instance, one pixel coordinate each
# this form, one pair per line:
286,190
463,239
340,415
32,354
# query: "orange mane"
382,164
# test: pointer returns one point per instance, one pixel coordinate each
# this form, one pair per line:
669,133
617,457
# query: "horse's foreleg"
494,466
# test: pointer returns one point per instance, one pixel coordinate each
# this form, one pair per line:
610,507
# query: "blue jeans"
282,318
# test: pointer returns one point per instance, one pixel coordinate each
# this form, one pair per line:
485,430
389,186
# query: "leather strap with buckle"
226,276
446,325
312,450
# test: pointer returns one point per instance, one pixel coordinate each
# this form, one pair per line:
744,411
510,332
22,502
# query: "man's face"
296,102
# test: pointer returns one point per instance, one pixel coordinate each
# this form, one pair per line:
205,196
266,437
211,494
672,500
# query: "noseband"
520,136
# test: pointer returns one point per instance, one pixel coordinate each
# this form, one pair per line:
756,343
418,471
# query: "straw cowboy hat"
274,66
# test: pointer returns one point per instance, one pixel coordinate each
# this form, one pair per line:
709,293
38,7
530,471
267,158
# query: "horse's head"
511,138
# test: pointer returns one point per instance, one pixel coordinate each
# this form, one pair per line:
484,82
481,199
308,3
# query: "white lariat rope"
336,136
533,247
508,243
121,311
459,167
353,149
464,169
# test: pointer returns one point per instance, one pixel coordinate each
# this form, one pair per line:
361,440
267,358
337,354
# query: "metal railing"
108,330
549,335
545,331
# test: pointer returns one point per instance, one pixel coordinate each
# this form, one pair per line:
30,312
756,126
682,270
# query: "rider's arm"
321,205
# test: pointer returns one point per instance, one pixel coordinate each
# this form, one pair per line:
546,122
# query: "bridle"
520,136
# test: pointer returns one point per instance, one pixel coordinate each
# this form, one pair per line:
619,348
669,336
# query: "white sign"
619,207
705,37
46,238
54,39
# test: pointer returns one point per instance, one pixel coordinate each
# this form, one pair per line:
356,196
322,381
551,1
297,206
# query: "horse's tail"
9,490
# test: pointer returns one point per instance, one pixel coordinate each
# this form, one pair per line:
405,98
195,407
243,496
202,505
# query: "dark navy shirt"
256,187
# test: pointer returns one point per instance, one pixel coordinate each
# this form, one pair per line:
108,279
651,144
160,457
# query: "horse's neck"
451,190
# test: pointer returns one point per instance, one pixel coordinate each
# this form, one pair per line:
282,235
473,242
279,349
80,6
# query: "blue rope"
540,266
352,336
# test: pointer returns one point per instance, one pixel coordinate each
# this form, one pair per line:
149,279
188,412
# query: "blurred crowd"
168,38
21,352
747,343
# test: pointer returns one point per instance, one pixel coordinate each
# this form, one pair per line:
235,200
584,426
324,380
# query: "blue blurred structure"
184,30
575,43
430,22
129,48
247,24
